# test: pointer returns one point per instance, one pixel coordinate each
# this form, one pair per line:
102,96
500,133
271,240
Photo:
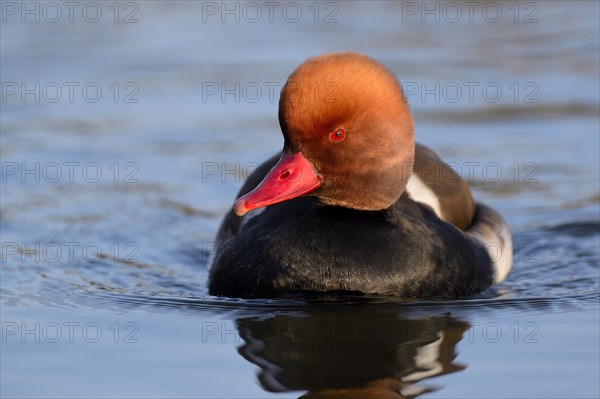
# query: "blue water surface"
127,129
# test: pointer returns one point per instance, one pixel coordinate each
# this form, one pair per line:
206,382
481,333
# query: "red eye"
338,134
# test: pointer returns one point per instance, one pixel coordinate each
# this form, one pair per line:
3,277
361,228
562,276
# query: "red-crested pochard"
352,204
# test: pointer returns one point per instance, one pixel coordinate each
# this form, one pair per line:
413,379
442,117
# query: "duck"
353,205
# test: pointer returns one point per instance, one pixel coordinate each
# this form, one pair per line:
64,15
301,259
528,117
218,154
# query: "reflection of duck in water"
332,355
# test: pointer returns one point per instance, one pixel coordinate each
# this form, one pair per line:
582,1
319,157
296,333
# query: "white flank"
420,192
493,233
504,262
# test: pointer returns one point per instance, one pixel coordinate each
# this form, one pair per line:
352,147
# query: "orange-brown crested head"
348,133
347,114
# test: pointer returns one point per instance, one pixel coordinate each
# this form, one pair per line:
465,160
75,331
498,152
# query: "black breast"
301,245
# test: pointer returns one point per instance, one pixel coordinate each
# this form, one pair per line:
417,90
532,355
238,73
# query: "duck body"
302,245
310,222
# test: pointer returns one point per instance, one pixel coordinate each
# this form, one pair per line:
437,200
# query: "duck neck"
371,187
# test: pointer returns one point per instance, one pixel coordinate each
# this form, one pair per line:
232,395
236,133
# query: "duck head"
348,136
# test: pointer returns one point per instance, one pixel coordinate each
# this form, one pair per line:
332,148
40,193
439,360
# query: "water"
109,207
